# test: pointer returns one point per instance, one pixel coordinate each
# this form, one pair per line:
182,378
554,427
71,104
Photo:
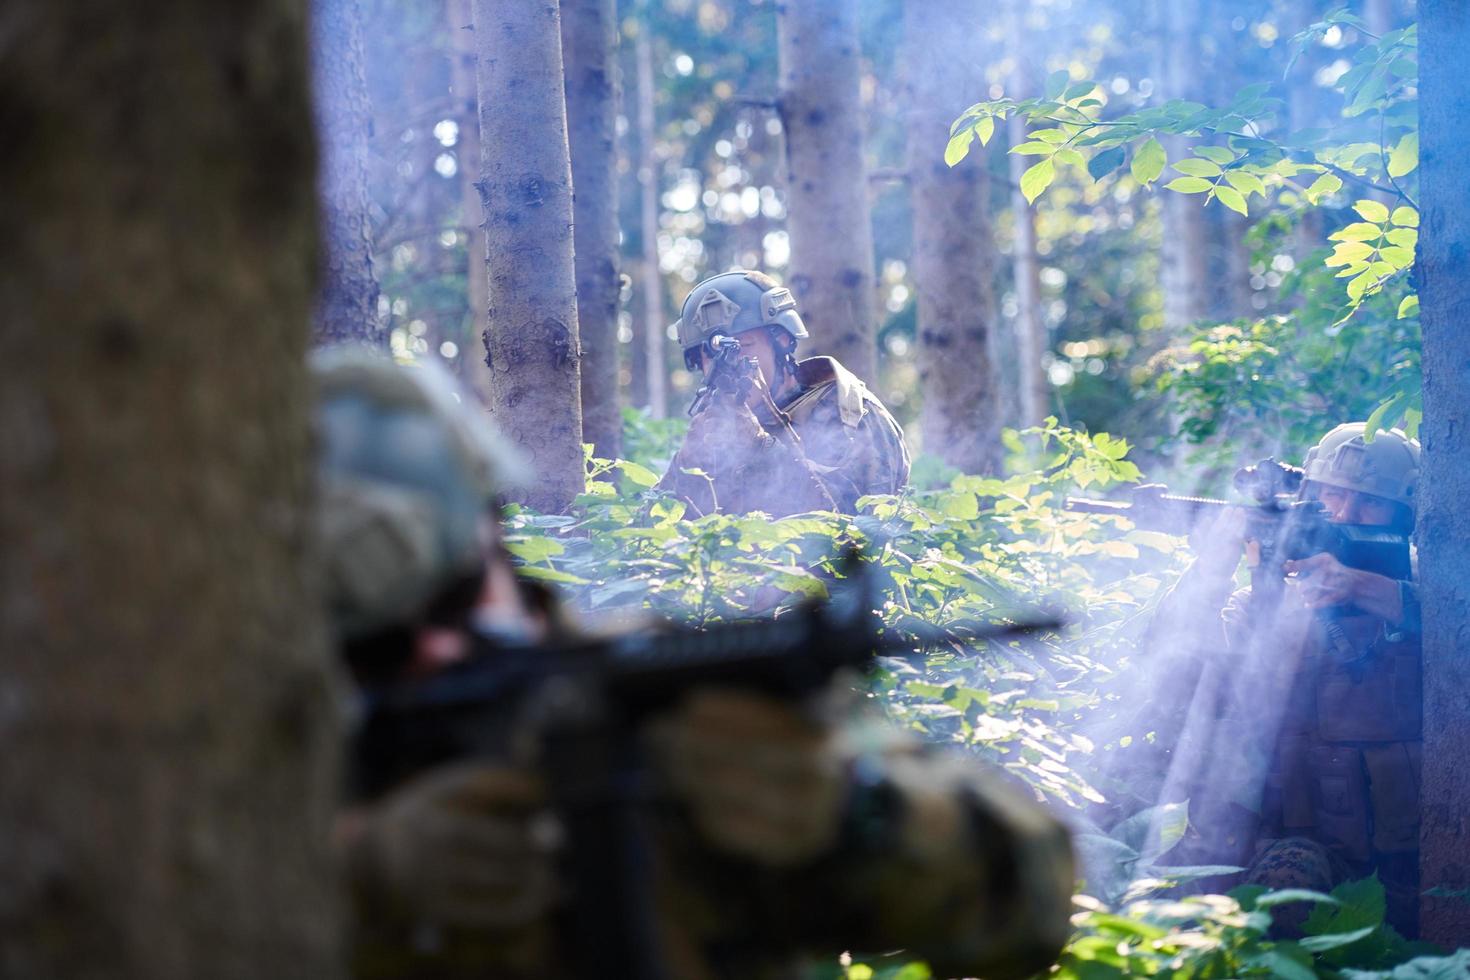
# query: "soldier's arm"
975,876
876,461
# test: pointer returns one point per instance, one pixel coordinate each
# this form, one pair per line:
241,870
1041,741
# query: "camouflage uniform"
1300,752
922,850
847,445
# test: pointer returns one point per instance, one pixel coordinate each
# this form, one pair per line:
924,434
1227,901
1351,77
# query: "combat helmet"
409,467
731,303
1386,467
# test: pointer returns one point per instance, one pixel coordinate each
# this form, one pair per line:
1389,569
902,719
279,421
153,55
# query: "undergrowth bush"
1054,709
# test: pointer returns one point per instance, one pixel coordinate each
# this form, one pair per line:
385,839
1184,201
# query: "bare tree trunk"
1031,332
473,369
1444,522
347,303
169,742
1183,271
651,282
954,252
828,215
589,30
1304,112
526,191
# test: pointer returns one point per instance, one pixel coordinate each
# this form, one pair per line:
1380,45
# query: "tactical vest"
1346,767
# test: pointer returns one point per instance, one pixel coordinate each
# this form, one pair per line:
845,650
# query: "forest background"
1201,247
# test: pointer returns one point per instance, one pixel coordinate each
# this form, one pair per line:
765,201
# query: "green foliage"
1239,151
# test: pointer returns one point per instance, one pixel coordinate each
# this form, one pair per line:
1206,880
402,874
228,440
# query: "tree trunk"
828,216
169,742
1444,522
954,252
1182,269
347,301
526,191
589,31
1031,333
473,369
651,281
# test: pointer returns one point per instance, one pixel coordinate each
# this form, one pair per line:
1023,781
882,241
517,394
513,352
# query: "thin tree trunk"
347,302
1031,332
651,282
473,369
589,44
954,252
828,215
1444,521
1182,264
169,742
526,191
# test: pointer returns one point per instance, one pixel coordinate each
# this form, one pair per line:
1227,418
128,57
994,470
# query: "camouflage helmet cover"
408,467
734,302
1386,467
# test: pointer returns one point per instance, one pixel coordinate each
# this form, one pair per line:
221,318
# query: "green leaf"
1106,162
959,146
1371,210
534,550
550,575
1358,231
1406,217
1036,180
1197,168
1189,185
1397,256
1148,161
1323,186
1047,135
1409,307
1332,940
1231,198
1285,895
1057,82
985,129
1215,154
1404,157
637,474
1244,182
1347,253
1033,149
1280,963
1069,155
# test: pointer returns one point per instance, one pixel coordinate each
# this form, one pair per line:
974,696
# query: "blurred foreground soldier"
1300,754
769,432
777,829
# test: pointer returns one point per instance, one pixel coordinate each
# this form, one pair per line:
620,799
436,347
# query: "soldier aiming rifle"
1300,743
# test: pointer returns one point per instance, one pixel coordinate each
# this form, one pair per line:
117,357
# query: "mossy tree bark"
589,31
531,345
347,301
828,214
1444,523
169,760
954,251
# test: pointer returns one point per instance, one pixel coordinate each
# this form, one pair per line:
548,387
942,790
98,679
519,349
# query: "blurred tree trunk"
473,369
347,301
526,191
170,746
1182,263
1304,110
1031,332
1444,522
828,216
954,257
589,31
650,279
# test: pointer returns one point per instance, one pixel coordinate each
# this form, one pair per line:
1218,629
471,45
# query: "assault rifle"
586,702
731,374
1279,527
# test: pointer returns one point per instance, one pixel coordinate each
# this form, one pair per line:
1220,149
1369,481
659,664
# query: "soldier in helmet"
789,436
784,828
1313,775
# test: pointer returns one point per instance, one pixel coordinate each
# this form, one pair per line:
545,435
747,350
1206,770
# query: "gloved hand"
760,780
467,845
723,436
